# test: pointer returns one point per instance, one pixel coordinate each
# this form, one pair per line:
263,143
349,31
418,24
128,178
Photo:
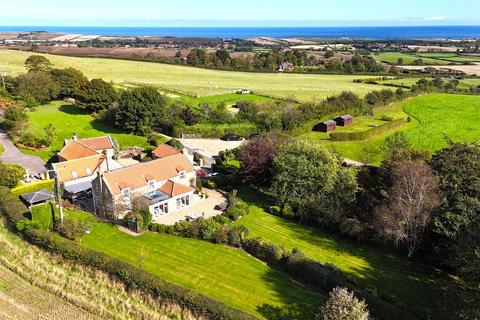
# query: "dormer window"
88,171
182,174
126,193
151,185
74,175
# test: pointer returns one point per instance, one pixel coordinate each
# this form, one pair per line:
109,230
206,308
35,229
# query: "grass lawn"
392,58
44,215
229,99
196,81
69,119
223,273
440,116
433,118
404,282
32,187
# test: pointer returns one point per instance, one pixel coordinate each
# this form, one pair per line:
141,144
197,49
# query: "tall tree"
140,109
312,180
99,95
37,63
15,121
37,87
343,305
50,133
413,197
71,82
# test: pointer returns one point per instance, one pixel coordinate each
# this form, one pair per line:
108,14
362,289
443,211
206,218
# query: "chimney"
75,137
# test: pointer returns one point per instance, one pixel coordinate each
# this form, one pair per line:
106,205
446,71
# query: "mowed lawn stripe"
404,282
226,274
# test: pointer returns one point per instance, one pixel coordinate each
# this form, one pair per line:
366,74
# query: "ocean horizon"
377,32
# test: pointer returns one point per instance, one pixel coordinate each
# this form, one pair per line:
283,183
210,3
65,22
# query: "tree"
257,156
313,182
140,109
50,133
413,197
458,169
400,61
10,174
71,82
343,305
37,87
15,121
37,63
99,95
329,54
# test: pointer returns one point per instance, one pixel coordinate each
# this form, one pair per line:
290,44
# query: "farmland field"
391,274
196,81
434,117
223,273
409,82
392,58
68,119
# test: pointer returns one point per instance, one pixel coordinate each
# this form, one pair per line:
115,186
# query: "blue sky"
239,13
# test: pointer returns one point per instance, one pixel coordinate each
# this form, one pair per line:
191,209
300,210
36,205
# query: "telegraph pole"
3,79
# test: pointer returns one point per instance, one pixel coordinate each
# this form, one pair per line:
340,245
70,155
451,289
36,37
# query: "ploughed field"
196,81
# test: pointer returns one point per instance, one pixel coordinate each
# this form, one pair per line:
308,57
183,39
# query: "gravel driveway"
34,165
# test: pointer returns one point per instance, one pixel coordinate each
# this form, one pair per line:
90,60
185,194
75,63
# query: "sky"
161,13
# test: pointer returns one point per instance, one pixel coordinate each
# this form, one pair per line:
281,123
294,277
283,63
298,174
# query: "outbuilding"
326,126
37,197
344,121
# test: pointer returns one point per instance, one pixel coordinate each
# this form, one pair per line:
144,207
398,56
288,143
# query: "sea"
398,32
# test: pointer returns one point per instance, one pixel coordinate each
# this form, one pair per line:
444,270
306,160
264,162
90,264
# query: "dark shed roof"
37,196
329,122
346,117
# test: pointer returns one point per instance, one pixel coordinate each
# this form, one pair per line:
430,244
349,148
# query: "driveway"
32,164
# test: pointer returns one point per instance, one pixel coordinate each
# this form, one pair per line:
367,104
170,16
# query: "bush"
237,235
175,143
235,213
70,228
264,250
386,117
275,210
287,212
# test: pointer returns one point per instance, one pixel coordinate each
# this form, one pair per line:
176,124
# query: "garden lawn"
403,282
43,214
223,273
70,119
197,81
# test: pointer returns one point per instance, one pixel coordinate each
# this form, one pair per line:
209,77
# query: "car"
231,137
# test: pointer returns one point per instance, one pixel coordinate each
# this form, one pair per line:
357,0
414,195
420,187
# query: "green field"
196,81
69,119
449,56
403,282
434,117
392,58
409,82
440,116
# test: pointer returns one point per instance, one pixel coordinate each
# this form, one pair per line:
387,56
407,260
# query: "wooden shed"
344,121
326,126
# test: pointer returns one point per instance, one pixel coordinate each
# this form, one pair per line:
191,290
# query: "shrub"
275,210
386,117
264,250
175,143
23,225
70,228
236,235
343,305
287,212
235,213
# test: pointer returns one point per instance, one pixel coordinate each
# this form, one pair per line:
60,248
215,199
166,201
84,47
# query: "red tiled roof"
65,169
135,176
174,189
98,143
164,150
76,150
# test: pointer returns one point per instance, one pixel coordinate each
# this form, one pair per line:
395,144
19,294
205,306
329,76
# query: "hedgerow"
367,134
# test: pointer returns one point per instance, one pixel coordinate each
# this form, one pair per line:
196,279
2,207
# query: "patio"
201,208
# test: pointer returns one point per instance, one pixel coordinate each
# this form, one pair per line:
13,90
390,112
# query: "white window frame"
74,174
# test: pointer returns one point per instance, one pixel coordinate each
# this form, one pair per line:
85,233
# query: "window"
74,175
88,171
182,174
126,193
151,185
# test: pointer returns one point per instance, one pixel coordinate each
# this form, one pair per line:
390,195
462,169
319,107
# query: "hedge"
207,130
322,277
367,134
134,278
